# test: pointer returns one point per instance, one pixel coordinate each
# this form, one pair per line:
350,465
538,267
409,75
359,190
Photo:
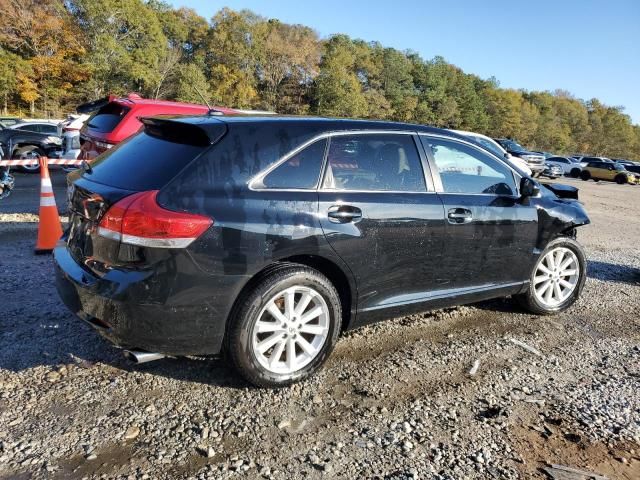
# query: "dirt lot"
395,401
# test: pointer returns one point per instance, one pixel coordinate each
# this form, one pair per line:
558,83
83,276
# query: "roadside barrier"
49,226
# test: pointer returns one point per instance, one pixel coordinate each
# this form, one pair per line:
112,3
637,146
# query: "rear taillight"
139,220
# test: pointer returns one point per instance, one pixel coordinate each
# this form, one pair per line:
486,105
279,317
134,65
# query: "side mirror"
528,188
507,155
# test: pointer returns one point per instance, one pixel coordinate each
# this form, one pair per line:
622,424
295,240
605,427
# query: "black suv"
265,237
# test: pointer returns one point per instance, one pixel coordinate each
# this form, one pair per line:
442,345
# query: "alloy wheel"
556,277
291,330
28,155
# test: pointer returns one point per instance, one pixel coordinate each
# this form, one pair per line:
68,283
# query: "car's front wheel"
284,329
29,152
557,278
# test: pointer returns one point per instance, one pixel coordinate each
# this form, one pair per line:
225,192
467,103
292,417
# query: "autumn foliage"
56,54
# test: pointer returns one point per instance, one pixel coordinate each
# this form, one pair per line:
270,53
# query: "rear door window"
374,162
144,162
301,171
107,118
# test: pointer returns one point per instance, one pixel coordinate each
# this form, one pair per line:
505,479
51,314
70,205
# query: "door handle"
459,216
344,214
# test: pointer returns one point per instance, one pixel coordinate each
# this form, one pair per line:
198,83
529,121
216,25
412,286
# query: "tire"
26,152
262,369
575,173
585,175
534,301
621,179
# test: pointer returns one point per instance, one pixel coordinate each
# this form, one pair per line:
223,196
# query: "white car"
494,147
74,122
569,165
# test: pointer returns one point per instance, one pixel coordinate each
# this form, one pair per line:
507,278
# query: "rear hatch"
144,163
99,131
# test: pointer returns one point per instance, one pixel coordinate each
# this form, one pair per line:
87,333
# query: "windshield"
107,118
492,147
512,145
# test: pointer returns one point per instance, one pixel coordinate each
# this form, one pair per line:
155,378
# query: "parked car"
534,160
545,154
495,148
74,122
8,121
569,165
633,167
613,172
552,171
116,119
584,161
265,237
50,128
23,144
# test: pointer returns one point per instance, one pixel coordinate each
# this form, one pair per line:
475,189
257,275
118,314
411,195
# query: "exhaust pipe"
139,356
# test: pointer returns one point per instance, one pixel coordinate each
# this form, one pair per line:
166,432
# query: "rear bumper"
122,309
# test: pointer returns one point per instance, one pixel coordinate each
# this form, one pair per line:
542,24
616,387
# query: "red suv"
116,119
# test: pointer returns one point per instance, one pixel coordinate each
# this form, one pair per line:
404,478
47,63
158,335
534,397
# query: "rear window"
108,117
143,162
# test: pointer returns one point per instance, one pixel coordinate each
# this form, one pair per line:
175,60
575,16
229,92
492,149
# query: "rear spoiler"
173,129
95,105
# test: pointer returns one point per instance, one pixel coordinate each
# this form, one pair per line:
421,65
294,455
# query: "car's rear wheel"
575,173
585,175
284,329
557,278
621,179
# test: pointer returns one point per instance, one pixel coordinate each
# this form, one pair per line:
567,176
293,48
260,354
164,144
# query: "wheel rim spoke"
303,303
540,279
557,292
544,288
313,329
568,273
291,354
305,346
266,327
276,313
544,269
289,305
269,342
277,353
314,313
565,284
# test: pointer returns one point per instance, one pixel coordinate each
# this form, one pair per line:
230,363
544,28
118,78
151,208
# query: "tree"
42,33
192,85
287,62
338,91
126,45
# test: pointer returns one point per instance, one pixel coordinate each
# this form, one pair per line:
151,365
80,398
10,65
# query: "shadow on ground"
613,272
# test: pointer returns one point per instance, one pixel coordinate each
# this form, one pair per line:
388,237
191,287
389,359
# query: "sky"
590,48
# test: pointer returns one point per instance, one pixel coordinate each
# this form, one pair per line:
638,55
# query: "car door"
490,232
382,217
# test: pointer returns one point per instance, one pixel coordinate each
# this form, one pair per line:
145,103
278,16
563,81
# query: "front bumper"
116,308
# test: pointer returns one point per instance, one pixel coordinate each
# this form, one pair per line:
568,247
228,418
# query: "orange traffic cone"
49,226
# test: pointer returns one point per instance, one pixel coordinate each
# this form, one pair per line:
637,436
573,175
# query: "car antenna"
212,111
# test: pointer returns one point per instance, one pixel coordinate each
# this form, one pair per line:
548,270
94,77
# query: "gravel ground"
396,400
